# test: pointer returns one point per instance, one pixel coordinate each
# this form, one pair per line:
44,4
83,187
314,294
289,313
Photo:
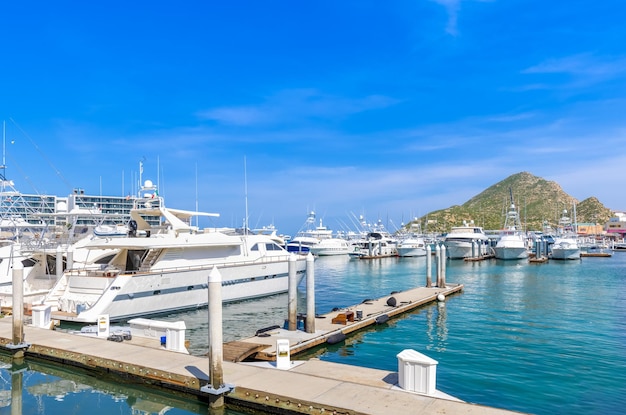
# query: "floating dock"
333,327
596,254
305,387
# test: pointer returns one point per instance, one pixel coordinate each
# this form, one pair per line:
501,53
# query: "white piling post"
429,267
443,266
310,294
59,262
216,355
18,302
438,262
293,294
69,263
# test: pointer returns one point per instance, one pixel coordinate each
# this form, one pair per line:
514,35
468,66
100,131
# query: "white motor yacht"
331,247
412,246
512,241
466,241
566,240
164,268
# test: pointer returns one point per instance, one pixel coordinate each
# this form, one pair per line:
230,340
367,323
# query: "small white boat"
110,231
412,246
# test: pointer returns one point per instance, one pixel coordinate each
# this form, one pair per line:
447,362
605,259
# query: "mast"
4,137
245,184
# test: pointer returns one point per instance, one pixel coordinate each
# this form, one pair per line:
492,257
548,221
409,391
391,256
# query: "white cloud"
296,105
582,69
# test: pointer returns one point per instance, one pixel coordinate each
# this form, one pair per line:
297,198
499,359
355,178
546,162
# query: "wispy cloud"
452,8
582,69
296,105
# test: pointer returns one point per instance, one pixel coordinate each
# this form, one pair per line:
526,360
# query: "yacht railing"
114,272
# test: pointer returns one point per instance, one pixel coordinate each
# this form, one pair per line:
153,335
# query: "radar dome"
148,183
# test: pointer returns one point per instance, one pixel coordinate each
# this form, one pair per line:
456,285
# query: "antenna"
4,148
245,184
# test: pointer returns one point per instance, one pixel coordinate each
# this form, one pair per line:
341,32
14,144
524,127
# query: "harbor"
487,355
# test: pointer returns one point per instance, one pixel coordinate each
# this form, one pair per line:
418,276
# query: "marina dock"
308,387
334,326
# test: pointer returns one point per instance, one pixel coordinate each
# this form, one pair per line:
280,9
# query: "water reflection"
41,388
436,327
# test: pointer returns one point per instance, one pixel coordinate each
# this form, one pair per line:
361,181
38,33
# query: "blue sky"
387,109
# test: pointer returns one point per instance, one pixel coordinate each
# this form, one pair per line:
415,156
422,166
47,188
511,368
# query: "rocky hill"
536,199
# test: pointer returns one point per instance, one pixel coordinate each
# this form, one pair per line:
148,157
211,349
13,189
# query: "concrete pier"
303,387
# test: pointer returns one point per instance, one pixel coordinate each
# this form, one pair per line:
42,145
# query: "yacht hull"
510,253
132,295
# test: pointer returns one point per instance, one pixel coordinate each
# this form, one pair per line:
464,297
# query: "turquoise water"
536,338
539,338
48,389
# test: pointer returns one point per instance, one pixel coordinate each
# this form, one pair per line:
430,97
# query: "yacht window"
104,260
255,247
27,263
272,247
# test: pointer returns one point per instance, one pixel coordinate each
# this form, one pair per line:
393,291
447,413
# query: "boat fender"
382,319
115,338
266,329
336,338
391,301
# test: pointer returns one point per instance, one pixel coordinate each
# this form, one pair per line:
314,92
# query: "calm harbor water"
537,338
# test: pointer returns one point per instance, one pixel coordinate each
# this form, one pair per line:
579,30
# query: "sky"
275,109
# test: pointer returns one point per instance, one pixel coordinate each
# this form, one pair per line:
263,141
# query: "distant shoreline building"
616,226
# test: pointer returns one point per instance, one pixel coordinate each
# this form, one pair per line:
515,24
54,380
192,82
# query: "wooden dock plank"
236,351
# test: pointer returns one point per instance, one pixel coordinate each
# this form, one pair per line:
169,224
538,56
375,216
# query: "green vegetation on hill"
537,200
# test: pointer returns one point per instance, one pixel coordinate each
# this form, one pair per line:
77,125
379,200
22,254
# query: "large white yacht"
566,240
512,241
164,268
309,236
467,240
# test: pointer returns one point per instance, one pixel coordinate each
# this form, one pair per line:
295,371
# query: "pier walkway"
307,387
